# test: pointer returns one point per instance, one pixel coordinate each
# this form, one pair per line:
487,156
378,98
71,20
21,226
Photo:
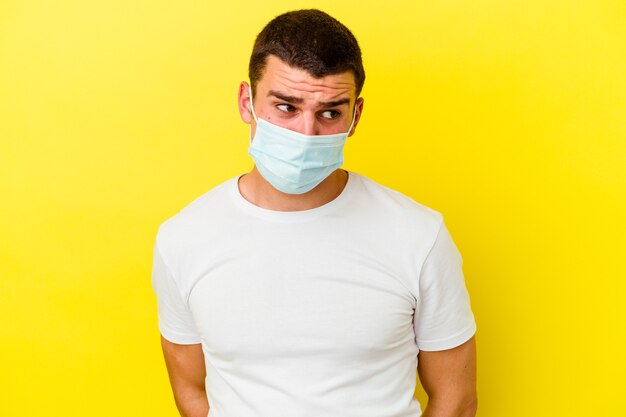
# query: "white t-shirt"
317,313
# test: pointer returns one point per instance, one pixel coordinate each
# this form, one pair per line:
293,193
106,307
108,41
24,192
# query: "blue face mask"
292,162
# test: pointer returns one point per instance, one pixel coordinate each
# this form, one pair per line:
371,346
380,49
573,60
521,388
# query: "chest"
278,300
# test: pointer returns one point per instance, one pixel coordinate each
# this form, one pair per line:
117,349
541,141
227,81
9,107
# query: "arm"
185,366
449,379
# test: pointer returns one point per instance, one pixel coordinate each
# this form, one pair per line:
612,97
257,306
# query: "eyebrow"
300,100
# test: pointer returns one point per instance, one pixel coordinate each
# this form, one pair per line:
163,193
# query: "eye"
330,114
287,108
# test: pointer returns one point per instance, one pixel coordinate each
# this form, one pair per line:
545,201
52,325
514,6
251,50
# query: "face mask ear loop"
253,113
353,119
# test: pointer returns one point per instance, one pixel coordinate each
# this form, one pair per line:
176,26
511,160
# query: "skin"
293,99
186,370
449,379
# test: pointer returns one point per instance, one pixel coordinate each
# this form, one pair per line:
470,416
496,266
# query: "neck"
254,188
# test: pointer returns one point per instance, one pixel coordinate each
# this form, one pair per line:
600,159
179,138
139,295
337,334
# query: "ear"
359,110
243,100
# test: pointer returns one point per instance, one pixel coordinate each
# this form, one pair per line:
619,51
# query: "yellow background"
509,117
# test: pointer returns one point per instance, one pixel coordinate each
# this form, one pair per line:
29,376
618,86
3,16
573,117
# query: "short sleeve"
443,318
175,320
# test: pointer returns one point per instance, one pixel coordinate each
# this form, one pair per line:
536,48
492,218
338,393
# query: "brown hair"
310,40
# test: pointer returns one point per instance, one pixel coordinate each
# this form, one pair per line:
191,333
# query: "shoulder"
397,206
199,214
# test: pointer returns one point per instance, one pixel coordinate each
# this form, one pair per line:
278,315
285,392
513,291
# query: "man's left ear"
359,111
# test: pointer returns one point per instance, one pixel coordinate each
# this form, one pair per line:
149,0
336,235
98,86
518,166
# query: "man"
301,289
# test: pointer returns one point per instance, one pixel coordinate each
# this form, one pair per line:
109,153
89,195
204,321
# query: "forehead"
279,76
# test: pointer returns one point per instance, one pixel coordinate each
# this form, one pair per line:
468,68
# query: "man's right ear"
243,100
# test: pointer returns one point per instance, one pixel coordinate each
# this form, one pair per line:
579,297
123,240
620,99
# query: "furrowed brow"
334,103
300,100
284,97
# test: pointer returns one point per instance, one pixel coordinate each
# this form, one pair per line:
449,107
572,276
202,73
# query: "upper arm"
450,374
443,315
186,369
175,318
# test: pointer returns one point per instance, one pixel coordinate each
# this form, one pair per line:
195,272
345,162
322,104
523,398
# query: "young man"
301,289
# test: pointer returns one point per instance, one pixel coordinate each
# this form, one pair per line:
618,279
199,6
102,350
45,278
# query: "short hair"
310,40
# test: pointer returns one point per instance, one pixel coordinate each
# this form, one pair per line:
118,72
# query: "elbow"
469,407
465,406
457,406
